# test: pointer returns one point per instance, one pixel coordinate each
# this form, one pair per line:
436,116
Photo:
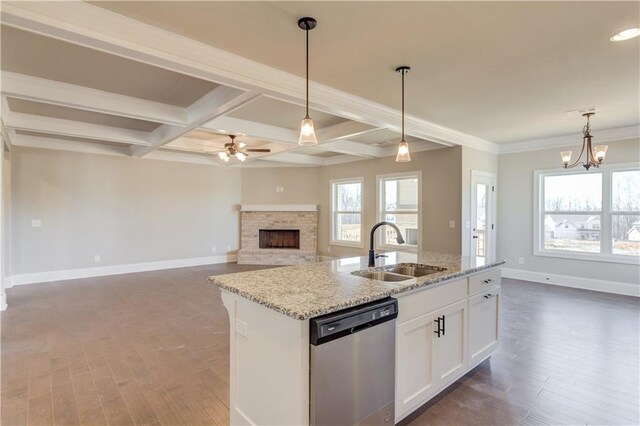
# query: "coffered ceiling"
171,80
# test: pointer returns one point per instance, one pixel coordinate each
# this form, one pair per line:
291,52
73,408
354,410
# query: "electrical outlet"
241,328
214,249
96,258
279,188
452,224
36,223
228,248
521,261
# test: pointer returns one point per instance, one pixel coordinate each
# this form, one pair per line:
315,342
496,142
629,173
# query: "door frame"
483,177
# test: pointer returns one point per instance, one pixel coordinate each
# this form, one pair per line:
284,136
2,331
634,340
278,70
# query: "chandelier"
595,156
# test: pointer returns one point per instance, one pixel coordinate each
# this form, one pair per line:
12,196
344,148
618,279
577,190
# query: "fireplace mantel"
278,207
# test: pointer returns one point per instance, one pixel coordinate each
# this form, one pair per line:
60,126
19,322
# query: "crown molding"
97,28
600,136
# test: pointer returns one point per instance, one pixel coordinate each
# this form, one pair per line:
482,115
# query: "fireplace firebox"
279,238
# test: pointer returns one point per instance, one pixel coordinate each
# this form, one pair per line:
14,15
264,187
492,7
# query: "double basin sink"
400,272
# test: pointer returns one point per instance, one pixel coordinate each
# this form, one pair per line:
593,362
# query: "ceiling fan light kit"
594,155
307,131
237,150
403,148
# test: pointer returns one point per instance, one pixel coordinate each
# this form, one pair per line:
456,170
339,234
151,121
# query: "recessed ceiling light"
626,34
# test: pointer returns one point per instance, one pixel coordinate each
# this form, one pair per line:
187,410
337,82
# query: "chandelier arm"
579,157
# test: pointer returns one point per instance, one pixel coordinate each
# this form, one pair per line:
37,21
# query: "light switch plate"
241,328
36,223
96,258
452,224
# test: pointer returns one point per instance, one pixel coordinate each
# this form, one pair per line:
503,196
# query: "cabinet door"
450,348
483,325
414,364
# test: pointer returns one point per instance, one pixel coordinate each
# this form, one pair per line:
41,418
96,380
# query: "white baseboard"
70,274
8,282
615,287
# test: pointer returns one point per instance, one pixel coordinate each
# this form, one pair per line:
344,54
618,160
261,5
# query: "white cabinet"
414,363
483,325
441,334
450,345
431,351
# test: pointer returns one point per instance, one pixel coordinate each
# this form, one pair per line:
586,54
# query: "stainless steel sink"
400,272
414,269
384,276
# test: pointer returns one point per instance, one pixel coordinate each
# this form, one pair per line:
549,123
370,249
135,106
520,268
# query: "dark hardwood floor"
152,348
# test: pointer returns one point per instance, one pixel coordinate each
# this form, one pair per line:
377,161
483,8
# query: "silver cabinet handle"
488,281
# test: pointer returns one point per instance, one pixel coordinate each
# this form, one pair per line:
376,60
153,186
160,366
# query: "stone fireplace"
278,234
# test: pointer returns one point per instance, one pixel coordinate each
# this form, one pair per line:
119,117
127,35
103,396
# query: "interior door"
482,236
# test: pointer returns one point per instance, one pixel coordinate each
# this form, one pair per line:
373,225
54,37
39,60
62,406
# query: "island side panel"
269,365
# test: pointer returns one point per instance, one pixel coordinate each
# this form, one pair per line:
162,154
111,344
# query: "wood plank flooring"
152,348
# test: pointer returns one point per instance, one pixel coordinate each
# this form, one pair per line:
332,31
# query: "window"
346,212
399,203
589,214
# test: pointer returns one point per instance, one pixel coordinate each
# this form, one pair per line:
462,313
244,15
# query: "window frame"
381,212
333,185
606,214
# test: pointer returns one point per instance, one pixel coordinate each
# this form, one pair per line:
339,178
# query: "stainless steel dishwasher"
353,365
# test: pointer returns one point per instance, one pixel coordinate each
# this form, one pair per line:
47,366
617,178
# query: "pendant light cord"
307,100
403,71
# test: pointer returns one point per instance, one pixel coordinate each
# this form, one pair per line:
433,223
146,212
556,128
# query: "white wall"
515,215
126,210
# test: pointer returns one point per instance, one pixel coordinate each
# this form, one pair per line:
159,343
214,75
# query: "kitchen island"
269,312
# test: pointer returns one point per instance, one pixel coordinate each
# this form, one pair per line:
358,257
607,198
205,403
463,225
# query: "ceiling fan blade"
257,150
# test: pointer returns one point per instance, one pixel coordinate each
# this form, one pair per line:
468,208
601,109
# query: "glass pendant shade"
307,133
241,156
600,152
566,157
403,152
223,156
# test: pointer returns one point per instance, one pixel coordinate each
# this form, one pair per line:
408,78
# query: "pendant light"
403,149
595,156
307,132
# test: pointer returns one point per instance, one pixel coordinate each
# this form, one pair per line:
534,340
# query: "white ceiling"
503,71
96,78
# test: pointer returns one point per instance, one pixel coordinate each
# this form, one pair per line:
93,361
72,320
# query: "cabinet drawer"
484,281
428,299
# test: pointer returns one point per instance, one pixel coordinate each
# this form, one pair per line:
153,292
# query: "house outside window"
346,212
588,214
399,203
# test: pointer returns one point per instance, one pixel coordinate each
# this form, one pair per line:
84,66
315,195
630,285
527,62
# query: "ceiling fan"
238,150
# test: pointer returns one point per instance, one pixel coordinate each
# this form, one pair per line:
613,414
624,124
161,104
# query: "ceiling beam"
290,157
91,26
218,102
344,130
352,148
78,129
69,95
65,145
253,129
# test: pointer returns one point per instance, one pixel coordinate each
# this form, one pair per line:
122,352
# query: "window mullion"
605,225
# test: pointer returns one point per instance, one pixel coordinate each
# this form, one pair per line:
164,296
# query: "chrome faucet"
399,239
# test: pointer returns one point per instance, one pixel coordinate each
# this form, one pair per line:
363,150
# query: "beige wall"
515,215
126,210
440,198
300,185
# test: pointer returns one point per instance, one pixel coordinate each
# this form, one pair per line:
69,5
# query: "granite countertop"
310,290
